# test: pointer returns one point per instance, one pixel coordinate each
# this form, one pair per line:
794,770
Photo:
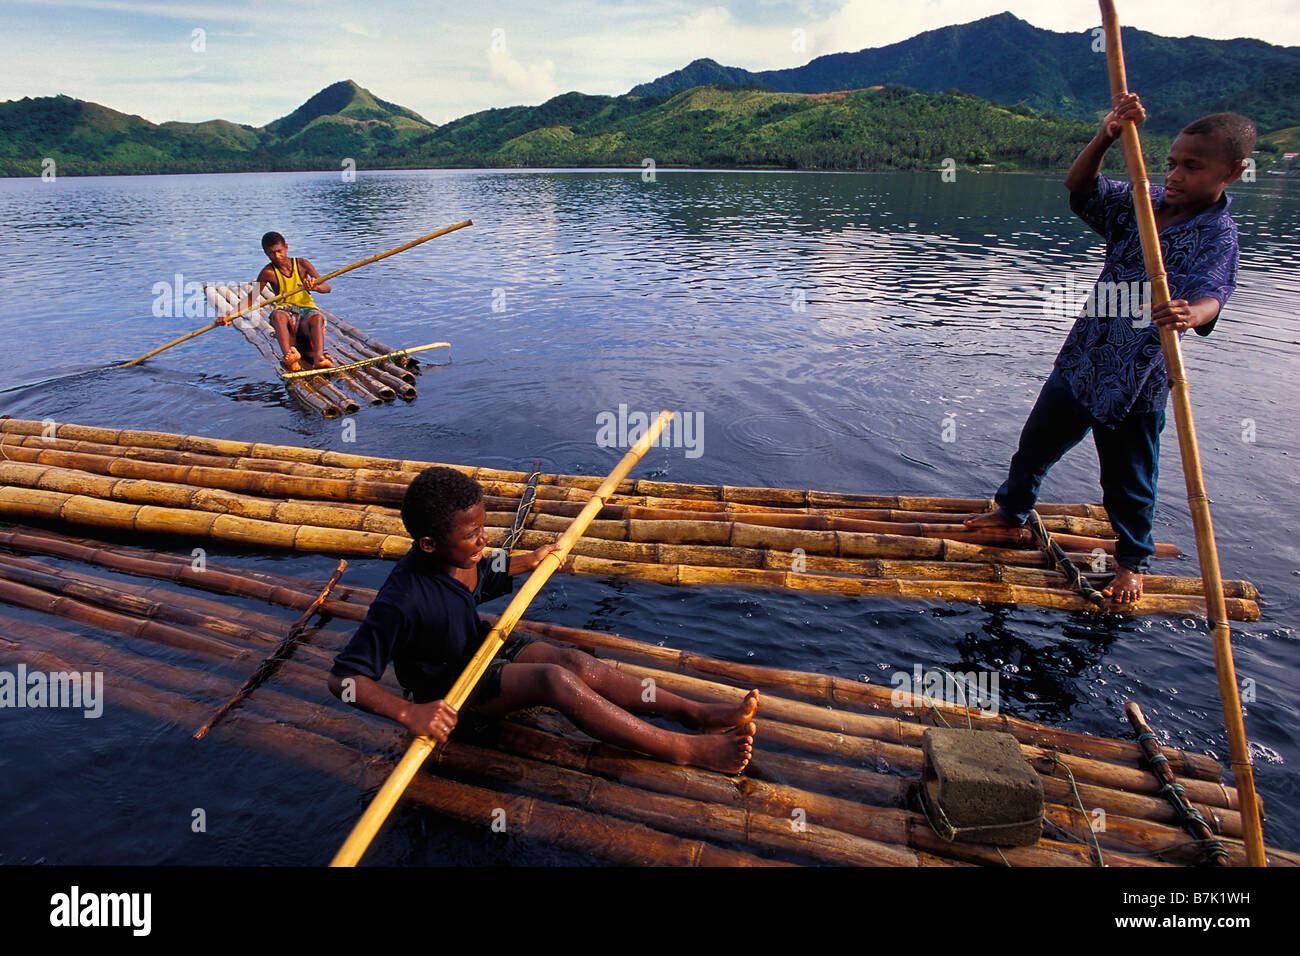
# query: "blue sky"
256,60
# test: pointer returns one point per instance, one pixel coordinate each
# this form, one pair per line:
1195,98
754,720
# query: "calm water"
824,325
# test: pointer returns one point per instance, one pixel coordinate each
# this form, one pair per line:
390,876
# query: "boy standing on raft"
296,320
1110,374
424,620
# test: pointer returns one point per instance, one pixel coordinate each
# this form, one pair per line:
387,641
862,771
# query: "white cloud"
130,55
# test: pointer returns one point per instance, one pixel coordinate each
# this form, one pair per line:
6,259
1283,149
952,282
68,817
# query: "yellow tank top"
285,282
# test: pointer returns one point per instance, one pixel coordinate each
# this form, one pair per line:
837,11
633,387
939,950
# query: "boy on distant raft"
299,325
1110,375
425,621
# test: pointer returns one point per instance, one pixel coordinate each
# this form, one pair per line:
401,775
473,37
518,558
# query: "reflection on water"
826,326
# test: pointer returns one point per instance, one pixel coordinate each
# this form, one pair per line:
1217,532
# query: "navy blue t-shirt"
426,623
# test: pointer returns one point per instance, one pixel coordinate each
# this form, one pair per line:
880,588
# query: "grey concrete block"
987,792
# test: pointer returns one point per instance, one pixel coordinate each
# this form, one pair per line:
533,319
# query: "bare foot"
292,361
725,753
989,519
325,361
715,718
1125,588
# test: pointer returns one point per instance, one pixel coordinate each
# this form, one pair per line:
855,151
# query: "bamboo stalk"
251,584
353,848
1095,797
282,652
840,692
603,837
765,496
1197,498
1159,766
822,731
268,638
384,390
570,635
362,363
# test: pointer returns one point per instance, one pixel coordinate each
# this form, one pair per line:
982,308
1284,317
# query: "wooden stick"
1197,498
366,828
1192,822
282,652
308,372
284,295
597,835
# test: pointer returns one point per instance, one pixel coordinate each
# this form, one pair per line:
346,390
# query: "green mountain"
342,120
1004,59
884,127
888,127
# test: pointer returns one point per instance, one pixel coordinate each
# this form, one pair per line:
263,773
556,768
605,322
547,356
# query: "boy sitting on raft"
1110,375
299,325
424,620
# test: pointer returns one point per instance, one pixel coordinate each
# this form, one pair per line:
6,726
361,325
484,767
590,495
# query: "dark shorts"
301,340
489,686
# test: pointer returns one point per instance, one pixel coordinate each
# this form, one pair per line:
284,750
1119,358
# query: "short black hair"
271,239
433,497
1235,133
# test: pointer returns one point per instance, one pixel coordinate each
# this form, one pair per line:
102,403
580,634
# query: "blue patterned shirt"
1112,358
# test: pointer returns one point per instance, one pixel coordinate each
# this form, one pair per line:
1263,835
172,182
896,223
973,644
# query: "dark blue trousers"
1129,453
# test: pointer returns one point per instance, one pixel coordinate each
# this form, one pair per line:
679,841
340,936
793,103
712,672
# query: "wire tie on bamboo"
1047,544
1079,800
525,507
1174,792
283,651
938,713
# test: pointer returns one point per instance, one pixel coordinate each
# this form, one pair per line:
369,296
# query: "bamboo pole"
355,846
1197,498
615,840
1035,734
1046,736
782,497
842,693
321,665
835,824
251,584
288,292
362,363
1159,765
282,652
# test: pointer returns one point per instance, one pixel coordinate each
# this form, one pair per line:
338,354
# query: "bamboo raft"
331,394
831,782
346,505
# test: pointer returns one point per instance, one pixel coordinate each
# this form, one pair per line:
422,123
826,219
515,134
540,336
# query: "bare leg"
315,329
285,330
525,685
633,694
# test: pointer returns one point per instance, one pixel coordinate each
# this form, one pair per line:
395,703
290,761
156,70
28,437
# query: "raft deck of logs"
331,394
856,545
832,780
